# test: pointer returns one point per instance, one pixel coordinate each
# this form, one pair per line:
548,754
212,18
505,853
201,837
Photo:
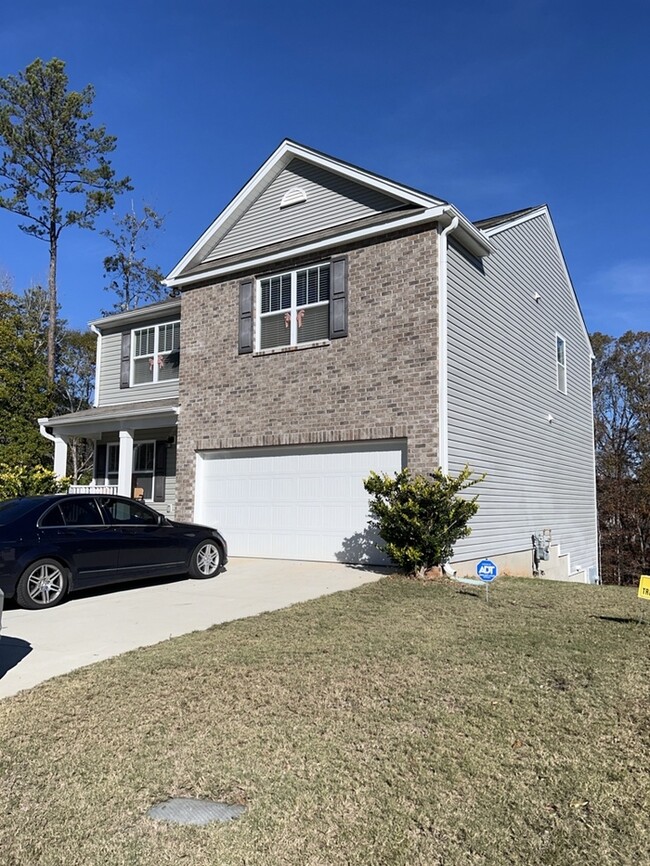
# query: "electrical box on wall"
541,548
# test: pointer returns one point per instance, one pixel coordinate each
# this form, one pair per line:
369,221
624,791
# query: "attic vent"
293,196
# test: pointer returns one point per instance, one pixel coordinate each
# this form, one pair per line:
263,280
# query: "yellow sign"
644,586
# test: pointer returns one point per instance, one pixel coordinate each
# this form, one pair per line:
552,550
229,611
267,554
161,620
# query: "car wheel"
206,559
43,584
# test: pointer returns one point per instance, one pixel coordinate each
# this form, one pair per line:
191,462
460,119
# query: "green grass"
401,723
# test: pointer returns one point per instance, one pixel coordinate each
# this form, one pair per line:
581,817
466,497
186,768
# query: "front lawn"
401,723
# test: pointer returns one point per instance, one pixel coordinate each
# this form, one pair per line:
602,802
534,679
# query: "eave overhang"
116,320
466,234
104,419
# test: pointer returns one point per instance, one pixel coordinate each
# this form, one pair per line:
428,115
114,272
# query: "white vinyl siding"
507,417
331,200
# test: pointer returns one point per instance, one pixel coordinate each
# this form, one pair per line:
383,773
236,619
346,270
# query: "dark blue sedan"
52,545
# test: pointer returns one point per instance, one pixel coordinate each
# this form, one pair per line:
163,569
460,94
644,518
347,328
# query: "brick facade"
380,382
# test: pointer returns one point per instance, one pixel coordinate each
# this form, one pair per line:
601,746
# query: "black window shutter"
160,471
339,298
125,361
245,317
100,462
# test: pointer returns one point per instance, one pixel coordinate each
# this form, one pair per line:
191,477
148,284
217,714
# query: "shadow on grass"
12,651
626,620
472,593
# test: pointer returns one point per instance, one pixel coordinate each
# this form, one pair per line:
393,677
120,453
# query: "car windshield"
12,509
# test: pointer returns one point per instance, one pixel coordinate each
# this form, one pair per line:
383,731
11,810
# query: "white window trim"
156,353
559,366
148,472
136,444
293,338
112,475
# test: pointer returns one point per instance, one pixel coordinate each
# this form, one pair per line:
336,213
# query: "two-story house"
334,322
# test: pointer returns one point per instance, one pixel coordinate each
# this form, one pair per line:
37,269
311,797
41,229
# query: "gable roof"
410,205
497,224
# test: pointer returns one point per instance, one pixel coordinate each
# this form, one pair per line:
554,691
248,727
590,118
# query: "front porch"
134,450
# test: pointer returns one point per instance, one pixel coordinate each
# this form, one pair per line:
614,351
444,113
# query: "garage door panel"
303,504
281,516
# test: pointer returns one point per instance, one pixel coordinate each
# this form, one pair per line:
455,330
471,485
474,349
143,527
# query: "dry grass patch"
401,723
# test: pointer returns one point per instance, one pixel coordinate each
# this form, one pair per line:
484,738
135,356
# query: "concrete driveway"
95,625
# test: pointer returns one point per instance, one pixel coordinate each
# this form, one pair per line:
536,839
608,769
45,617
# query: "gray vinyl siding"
502,388
332,200
109,391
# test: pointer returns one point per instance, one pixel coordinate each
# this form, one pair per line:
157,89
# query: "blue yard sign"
487,570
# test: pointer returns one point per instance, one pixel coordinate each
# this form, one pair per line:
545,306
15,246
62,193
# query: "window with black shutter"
294,307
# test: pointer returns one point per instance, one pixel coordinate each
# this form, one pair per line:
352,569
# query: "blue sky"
494,107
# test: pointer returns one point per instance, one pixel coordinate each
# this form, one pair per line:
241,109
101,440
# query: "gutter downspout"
44,431
443,444
98,358
60,449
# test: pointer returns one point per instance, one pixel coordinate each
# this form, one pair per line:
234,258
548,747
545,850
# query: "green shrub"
21,480
420,519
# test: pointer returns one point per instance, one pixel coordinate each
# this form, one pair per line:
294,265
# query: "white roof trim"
467,234
278,160
121,411
150,312
515,221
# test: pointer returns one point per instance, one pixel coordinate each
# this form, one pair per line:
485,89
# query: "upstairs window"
294,308
560,355
155,353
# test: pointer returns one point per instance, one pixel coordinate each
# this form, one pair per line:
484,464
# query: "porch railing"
109,489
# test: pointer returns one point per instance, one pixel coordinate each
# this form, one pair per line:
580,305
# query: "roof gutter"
121,412
469,236
44,431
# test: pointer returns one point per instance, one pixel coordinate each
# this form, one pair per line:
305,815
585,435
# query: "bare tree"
133,280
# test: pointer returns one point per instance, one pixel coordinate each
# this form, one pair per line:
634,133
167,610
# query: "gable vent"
293,196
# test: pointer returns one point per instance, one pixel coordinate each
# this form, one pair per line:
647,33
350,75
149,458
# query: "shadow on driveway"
12,651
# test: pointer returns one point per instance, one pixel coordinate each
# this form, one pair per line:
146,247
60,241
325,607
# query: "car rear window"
13,509
73,512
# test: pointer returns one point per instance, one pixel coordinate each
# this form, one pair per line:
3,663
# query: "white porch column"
60,456
125,467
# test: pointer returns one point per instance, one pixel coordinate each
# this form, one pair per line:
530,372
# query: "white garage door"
294,503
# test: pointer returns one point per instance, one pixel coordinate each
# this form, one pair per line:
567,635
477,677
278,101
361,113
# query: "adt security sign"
487,570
